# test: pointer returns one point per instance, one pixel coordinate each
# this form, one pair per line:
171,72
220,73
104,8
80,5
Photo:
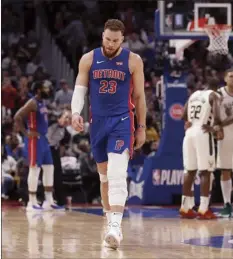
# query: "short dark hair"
228,71
213,82
115,25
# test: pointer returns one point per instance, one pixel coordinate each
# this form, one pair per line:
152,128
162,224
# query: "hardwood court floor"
79,235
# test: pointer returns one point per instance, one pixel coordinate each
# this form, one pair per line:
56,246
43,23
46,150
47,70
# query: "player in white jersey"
198,148
225,146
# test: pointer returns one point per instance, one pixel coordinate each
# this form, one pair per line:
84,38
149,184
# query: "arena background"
44,40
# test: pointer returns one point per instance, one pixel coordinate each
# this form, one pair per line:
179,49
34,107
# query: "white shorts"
198,151
225,154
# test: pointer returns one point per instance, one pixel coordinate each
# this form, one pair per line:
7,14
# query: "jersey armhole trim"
129,53
227,92
92,62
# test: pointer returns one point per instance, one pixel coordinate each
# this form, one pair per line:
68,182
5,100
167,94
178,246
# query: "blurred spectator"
23,91
63,96
135,44
13,147
151,133
8,173
9,95
34,65
89,171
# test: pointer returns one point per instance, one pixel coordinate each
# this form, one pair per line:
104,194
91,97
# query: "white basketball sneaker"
33,207
106,230
52,206
114,236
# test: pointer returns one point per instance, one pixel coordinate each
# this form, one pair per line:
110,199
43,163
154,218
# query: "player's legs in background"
188,196
190,163
211,186
48,172
34,161
192,200
102,170
206,165
117,174
48,179
203,211
225,163
226,186
33,176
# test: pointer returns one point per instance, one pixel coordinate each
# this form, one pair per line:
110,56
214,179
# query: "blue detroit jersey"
38,121
110,84
37,150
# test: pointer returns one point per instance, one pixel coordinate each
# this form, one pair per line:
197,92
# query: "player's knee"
33,176
118,163
117,173
103,178
48,175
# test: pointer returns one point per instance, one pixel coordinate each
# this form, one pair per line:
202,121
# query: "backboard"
184,19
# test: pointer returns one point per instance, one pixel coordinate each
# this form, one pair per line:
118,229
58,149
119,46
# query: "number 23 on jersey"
108,87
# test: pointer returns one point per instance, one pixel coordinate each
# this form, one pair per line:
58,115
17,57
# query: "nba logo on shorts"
156,177
176,111
119,144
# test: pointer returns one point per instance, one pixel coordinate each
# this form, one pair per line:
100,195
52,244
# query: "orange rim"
220,27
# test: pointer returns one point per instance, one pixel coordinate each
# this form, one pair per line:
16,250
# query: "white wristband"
77,102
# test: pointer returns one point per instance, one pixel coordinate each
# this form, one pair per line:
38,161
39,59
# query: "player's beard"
45,95
107,54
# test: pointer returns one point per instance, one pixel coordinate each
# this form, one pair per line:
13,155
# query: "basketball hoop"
219,36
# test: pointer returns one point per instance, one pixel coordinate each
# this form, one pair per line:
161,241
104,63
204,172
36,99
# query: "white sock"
49,197
108,216
116,217
204,203
226,191
185,202
191,202
32,199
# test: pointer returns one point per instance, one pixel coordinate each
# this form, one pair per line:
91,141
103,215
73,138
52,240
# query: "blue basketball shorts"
111,135
37,151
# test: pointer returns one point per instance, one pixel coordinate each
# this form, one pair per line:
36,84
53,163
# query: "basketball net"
219,36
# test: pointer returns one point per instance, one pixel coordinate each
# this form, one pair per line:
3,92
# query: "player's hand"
207,128
77,122
187,125
33,134
219,135
140,138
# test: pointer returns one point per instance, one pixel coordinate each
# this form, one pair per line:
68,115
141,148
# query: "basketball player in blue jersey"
114,78
34,115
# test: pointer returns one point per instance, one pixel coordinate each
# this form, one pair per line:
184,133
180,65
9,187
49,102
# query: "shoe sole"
112,242
187,216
